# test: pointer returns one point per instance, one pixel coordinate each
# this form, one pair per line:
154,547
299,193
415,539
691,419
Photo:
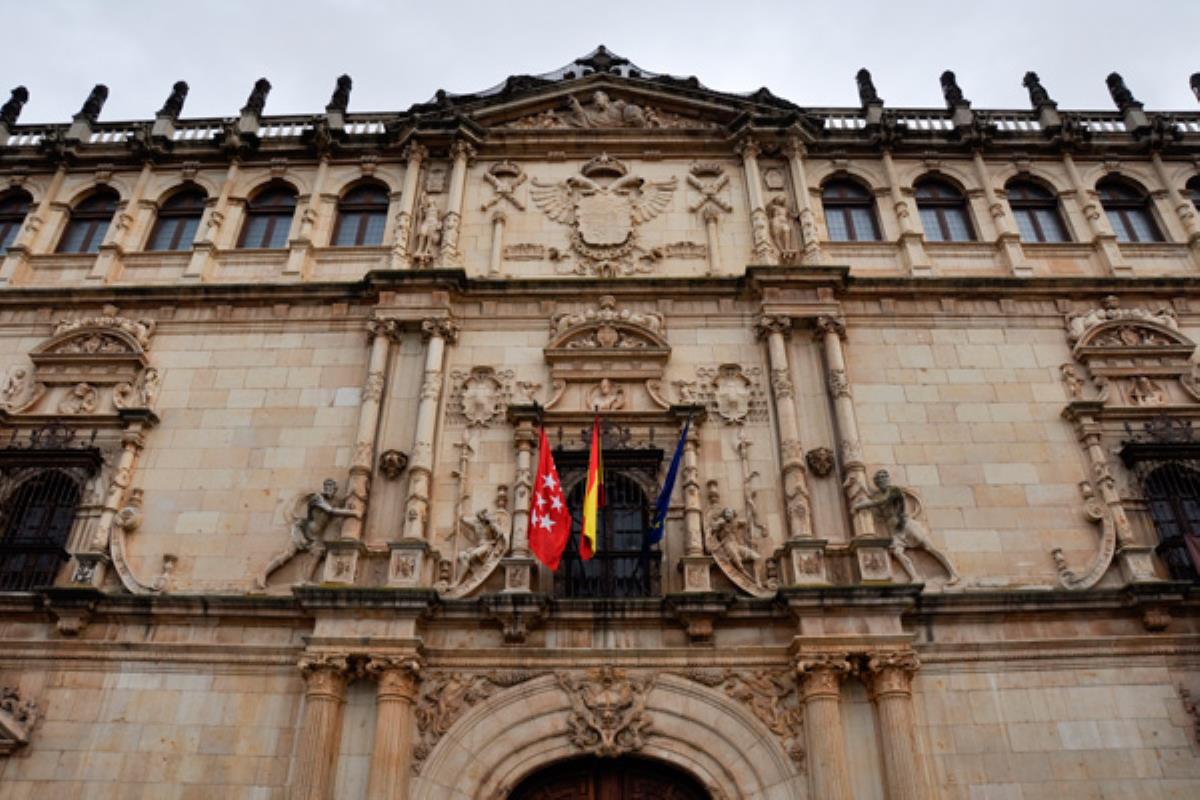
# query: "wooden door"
610,779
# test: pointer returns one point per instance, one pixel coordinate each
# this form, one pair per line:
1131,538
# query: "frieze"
604,112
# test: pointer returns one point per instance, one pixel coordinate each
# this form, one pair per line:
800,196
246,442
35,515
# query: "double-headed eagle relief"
604,205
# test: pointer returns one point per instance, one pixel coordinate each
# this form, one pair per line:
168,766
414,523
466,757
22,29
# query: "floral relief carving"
141,330
732,393
1080,324
774,699
479,396
608,710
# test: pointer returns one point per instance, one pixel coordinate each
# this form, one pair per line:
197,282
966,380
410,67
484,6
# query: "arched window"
1036,210
623,566
36,519
1128,210
178,219
362,214
88,223
943,212
1193,187
1173,497
13,208
849,211
269,217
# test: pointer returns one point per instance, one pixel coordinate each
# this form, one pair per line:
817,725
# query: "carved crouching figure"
729,534
308,531
907,533
486,535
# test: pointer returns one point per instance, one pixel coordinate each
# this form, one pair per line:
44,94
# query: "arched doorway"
610,779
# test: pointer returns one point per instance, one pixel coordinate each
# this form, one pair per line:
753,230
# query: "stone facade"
298,564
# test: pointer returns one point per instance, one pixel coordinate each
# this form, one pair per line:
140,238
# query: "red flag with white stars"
549,520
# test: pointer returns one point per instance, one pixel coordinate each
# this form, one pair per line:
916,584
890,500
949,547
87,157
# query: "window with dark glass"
13,208
36,517
1036,210
269,217
1193,187
1173,498
1128,211
849,212
178,219
88,223
943,212
361,217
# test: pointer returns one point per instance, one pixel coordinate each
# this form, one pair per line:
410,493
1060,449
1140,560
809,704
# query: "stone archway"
609,779
515,733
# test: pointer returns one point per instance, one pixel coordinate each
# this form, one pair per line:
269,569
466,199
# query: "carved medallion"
608,710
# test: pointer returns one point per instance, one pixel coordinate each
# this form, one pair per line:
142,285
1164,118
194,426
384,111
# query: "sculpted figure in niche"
907,533
730,536
1145,392
80,400
606,397
429,231
783,232
308,532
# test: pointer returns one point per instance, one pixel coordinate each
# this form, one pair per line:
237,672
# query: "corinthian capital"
460,149
325,673
891,671
826,325
767,324
395,674
442,327
378,325
748,148
415,153
820,673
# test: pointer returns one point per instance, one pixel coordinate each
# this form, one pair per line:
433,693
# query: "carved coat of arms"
604,206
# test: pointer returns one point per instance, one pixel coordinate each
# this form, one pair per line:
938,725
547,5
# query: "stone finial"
173,106
866,88
1038,96
952,92
341,95
258,98
11,110
90,111
1196,84
1120,92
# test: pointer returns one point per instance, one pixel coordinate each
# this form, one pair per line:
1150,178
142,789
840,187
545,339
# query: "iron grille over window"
624,565
1166,463
41,481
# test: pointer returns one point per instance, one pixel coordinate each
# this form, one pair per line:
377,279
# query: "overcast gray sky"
400,53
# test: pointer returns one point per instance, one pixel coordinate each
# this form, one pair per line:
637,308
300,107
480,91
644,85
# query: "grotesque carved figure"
951,91
11,109
1038,96
392,463
308,529
95,101
174,104
257,100
866,88
907,533
341,95
1120,92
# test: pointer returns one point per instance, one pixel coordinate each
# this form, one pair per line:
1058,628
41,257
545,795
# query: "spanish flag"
592,496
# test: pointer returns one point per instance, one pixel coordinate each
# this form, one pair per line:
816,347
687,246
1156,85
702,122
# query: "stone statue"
485,536
81,399
11,110
429,231
1120,92
606,396
730,537
866,88
307,532
607,113
907,533
341,95
951,91
783,232
93,104
1038,96
257,100
173,107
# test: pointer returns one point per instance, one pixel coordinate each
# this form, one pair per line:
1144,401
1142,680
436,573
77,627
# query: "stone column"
820,676
1103,240
805,555
519,564
408,555
1008,237
763,249
202,262
108,266
462,153
92,560
396,679
341,566
695,564
16,261
325,678
711,240
496,260
300,248
795,151
912,240
869,547
414,156
889,679
1183,206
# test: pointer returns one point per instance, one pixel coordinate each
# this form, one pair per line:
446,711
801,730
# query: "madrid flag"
593,496
549,520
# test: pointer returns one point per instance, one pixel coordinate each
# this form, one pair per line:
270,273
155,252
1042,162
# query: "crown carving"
604,166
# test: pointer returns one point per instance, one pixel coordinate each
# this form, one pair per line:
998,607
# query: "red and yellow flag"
592,496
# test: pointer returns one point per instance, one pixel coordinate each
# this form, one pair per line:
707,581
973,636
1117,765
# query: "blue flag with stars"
663,504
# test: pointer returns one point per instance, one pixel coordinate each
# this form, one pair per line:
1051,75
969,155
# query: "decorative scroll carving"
17,718
140,330
603,111
310,515
774,699
899,508
126,521
608,716
603,207
446,695
1093,511
1134,332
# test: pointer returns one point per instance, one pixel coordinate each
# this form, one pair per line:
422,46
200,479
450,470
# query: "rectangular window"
1051,225
266,230
932,224
83,236
175,233
837,222
956,222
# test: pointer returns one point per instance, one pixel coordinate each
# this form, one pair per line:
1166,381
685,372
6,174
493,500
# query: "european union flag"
663,504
